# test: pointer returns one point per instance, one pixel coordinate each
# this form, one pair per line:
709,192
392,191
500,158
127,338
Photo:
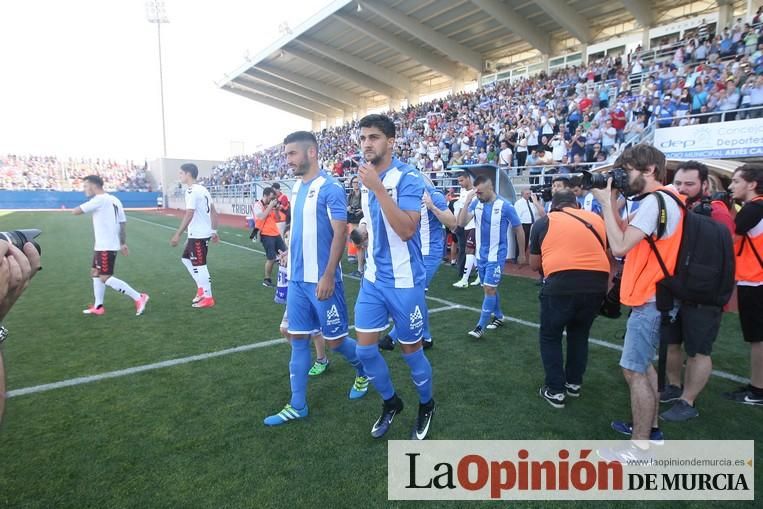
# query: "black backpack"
704,272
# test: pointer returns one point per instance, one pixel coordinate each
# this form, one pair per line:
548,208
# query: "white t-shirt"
504,158
197,198
526,211
558,148
461,203
645,218
108,215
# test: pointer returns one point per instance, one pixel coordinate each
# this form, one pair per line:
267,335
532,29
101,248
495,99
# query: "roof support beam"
344,71
642,10
269,101
368,68
512,20
335,93
430,36
414,51
282,95
295,89
568,18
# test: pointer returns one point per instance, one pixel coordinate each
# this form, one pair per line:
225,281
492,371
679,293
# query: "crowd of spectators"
19,172
581,115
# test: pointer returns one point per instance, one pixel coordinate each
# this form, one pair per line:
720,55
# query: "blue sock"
298,368
347,350
421,373
488,305
393,334
497,309
376,369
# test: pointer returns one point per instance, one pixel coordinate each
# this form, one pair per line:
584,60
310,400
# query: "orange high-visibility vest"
565,249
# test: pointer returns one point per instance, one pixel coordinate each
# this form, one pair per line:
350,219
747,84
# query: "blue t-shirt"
432,233
391,261
492,221
314,205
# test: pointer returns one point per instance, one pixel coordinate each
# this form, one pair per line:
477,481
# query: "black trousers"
576,314
461,238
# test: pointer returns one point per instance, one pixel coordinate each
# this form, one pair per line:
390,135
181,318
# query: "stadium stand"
27,172
702,78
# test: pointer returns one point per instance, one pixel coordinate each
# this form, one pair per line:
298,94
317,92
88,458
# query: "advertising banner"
719,140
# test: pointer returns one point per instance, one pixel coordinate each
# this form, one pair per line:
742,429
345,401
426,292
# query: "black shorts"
272,244
471,241
696,327
196,251
103,262
751,312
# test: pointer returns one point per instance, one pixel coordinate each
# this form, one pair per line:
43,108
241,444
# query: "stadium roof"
354,54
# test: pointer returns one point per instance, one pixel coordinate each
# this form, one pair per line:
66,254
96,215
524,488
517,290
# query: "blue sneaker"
626,428
289,413
359,388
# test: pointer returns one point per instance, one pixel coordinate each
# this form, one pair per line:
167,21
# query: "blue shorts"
431,264
406,306
308,315
642,337
490,273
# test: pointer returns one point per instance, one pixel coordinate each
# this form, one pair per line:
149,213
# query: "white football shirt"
108,214
197,198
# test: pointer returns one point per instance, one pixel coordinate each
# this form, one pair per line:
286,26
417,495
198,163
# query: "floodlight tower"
157,14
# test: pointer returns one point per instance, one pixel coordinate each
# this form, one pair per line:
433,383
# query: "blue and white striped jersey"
492,223
314,205
391,261
432,232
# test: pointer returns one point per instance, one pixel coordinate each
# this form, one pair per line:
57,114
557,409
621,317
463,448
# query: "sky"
80,77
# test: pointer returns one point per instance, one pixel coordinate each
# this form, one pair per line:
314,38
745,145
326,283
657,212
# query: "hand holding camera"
19,262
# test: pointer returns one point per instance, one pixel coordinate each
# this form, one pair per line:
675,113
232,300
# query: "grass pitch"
191,435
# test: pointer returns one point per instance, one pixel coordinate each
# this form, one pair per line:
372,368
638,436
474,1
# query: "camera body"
619,178
543,191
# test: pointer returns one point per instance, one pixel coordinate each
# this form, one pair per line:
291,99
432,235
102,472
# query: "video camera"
18,238
543,191
619,176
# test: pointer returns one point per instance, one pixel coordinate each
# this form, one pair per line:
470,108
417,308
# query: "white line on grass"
159,365
599,342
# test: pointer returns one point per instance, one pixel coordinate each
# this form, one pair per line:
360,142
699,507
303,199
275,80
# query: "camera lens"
18,238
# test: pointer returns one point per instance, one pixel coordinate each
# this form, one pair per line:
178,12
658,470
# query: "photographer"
747,187
16,269
266,218
575,267
646,173
696,327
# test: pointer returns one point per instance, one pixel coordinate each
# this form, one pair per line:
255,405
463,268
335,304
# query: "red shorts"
196,251
103,262
471,243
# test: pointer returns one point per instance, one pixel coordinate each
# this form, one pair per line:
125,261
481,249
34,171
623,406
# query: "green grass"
192,435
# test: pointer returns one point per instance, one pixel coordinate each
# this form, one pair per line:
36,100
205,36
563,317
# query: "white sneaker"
461,284
476,282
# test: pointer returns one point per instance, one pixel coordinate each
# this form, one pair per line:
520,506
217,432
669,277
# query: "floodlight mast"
157,14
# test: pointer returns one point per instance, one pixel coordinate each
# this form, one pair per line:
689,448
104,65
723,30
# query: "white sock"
122,287
468,266
189,267
99,289
203,280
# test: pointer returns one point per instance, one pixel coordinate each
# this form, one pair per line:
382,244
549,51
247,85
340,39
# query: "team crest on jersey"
496,211
390,191
417,319
332,316
311,193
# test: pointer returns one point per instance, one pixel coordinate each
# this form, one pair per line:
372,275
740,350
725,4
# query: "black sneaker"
573,390
555,399
423,420
428,344
670,394
386,343
496,323
744,395
268,283
390,408
478,332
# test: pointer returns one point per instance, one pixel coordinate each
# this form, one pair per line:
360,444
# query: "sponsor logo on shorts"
417,319
497,271
332,317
